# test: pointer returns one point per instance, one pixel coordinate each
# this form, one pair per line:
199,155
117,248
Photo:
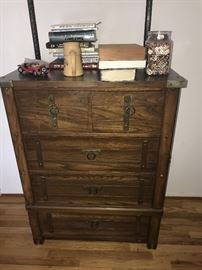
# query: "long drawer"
89,154
60,224
101,191
49,110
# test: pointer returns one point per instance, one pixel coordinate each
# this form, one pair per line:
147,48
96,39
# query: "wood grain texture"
108,114
71,154
91,79
61,225
97,153
121,52
168,129
16,135
84,111
180,243
120,191
33,108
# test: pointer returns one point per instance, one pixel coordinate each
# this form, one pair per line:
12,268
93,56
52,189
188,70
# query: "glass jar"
159,50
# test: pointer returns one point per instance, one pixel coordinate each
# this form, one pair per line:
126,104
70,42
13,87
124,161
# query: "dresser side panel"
9,101
167,135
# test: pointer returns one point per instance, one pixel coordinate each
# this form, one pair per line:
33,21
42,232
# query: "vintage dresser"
93,156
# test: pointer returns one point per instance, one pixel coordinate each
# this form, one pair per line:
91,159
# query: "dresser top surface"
92,79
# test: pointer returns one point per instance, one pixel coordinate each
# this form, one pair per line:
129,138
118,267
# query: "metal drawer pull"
92,190
94,224
128,111
91,154
39,153
53,109
141,191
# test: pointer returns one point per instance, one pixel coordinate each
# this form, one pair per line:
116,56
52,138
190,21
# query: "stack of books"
119,62
84,33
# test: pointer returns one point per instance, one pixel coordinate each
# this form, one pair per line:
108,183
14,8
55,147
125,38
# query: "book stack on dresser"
85,33
119,62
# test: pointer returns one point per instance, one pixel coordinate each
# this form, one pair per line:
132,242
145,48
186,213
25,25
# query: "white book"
92,59
117,75
122,64
58,55
88,49
89,54
74,27
56,50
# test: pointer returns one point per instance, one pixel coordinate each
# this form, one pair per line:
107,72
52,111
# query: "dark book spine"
59,37
54,45
90,66
56,66
60,66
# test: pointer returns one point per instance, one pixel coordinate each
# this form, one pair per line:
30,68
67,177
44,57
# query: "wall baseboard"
184,197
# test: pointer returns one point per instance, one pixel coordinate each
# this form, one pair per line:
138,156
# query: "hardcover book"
83,45
122,64
58,63
117,75
59,50
93,59
74,27
59,37
117,52
90,66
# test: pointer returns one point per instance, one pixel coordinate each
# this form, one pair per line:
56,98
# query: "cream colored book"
117,75
124,64
121,56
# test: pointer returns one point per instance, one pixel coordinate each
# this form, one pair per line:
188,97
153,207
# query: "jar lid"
159,35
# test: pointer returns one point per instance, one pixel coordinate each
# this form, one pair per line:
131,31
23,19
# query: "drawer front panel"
91,154
139,112
43,110
102,191
94,227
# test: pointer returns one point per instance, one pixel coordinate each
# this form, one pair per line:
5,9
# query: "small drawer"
139,113
54,111
71,110
59,225
102,191
89,154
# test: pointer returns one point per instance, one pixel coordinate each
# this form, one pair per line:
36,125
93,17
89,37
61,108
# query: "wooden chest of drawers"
93,156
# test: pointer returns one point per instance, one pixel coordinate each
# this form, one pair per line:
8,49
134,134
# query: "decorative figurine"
35,67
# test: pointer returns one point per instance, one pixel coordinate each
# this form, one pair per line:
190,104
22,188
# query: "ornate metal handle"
92,190
128,111
53,109
94,224
91,154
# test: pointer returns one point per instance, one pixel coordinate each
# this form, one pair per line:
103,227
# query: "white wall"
122,22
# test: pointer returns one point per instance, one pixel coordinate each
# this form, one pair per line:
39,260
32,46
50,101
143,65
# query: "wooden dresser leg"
154,231
35,227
